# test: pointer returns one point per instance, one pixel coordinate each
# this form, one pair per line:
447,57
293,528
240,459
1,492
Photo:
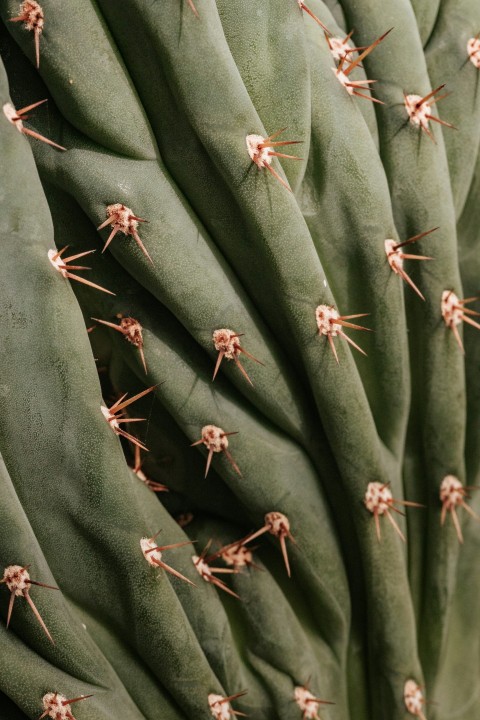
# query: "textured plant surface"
239,356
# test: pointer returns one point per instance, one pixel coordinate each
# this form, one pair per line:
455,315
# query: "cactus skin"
166,137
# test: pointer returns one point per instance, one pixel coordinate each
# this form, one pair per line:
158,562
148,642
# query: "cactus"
239,446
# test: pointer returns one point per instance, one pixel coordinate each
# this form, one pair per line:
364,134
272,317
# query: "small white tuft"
132,331
413,698
452,311
109,417
150,555
54,707
378,498
214,438
278,523
325,316
452,492
32,15
238,556
227,342
259,155
202,568
473,49
418,110
219,707
12,116
394,257
307,703
343,80
123,217
339,48
17,579
57,262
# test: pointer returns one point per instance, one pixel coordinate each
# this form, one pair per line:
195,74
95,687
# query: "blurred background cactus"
239,397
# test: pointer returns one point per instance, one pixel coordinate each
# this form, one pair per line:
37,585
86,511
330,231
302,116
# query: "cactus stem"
454,312
17,117
215,439
276,523
413,699
329,323
153,555
31,14
452,495
379,501
123,219
61,265
306,9
258,150
131,331
207,573
17,580
228,345
57,706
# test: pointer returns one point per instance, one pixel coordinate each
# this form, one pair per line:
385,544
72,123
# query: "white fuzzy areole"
343,80
214,438
413,698
451,310
306,702
394,257
16,579
109,417
338,48
238,556
57,262
12,117
52,704
278,523
378,498
417,115
33,15
123,217
202,568
260,156
148,544
452,492
219,707
473,49
226,342
324,314
132,331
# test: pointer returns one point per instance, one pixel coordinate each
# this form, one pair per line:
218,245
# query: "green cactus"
205,446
